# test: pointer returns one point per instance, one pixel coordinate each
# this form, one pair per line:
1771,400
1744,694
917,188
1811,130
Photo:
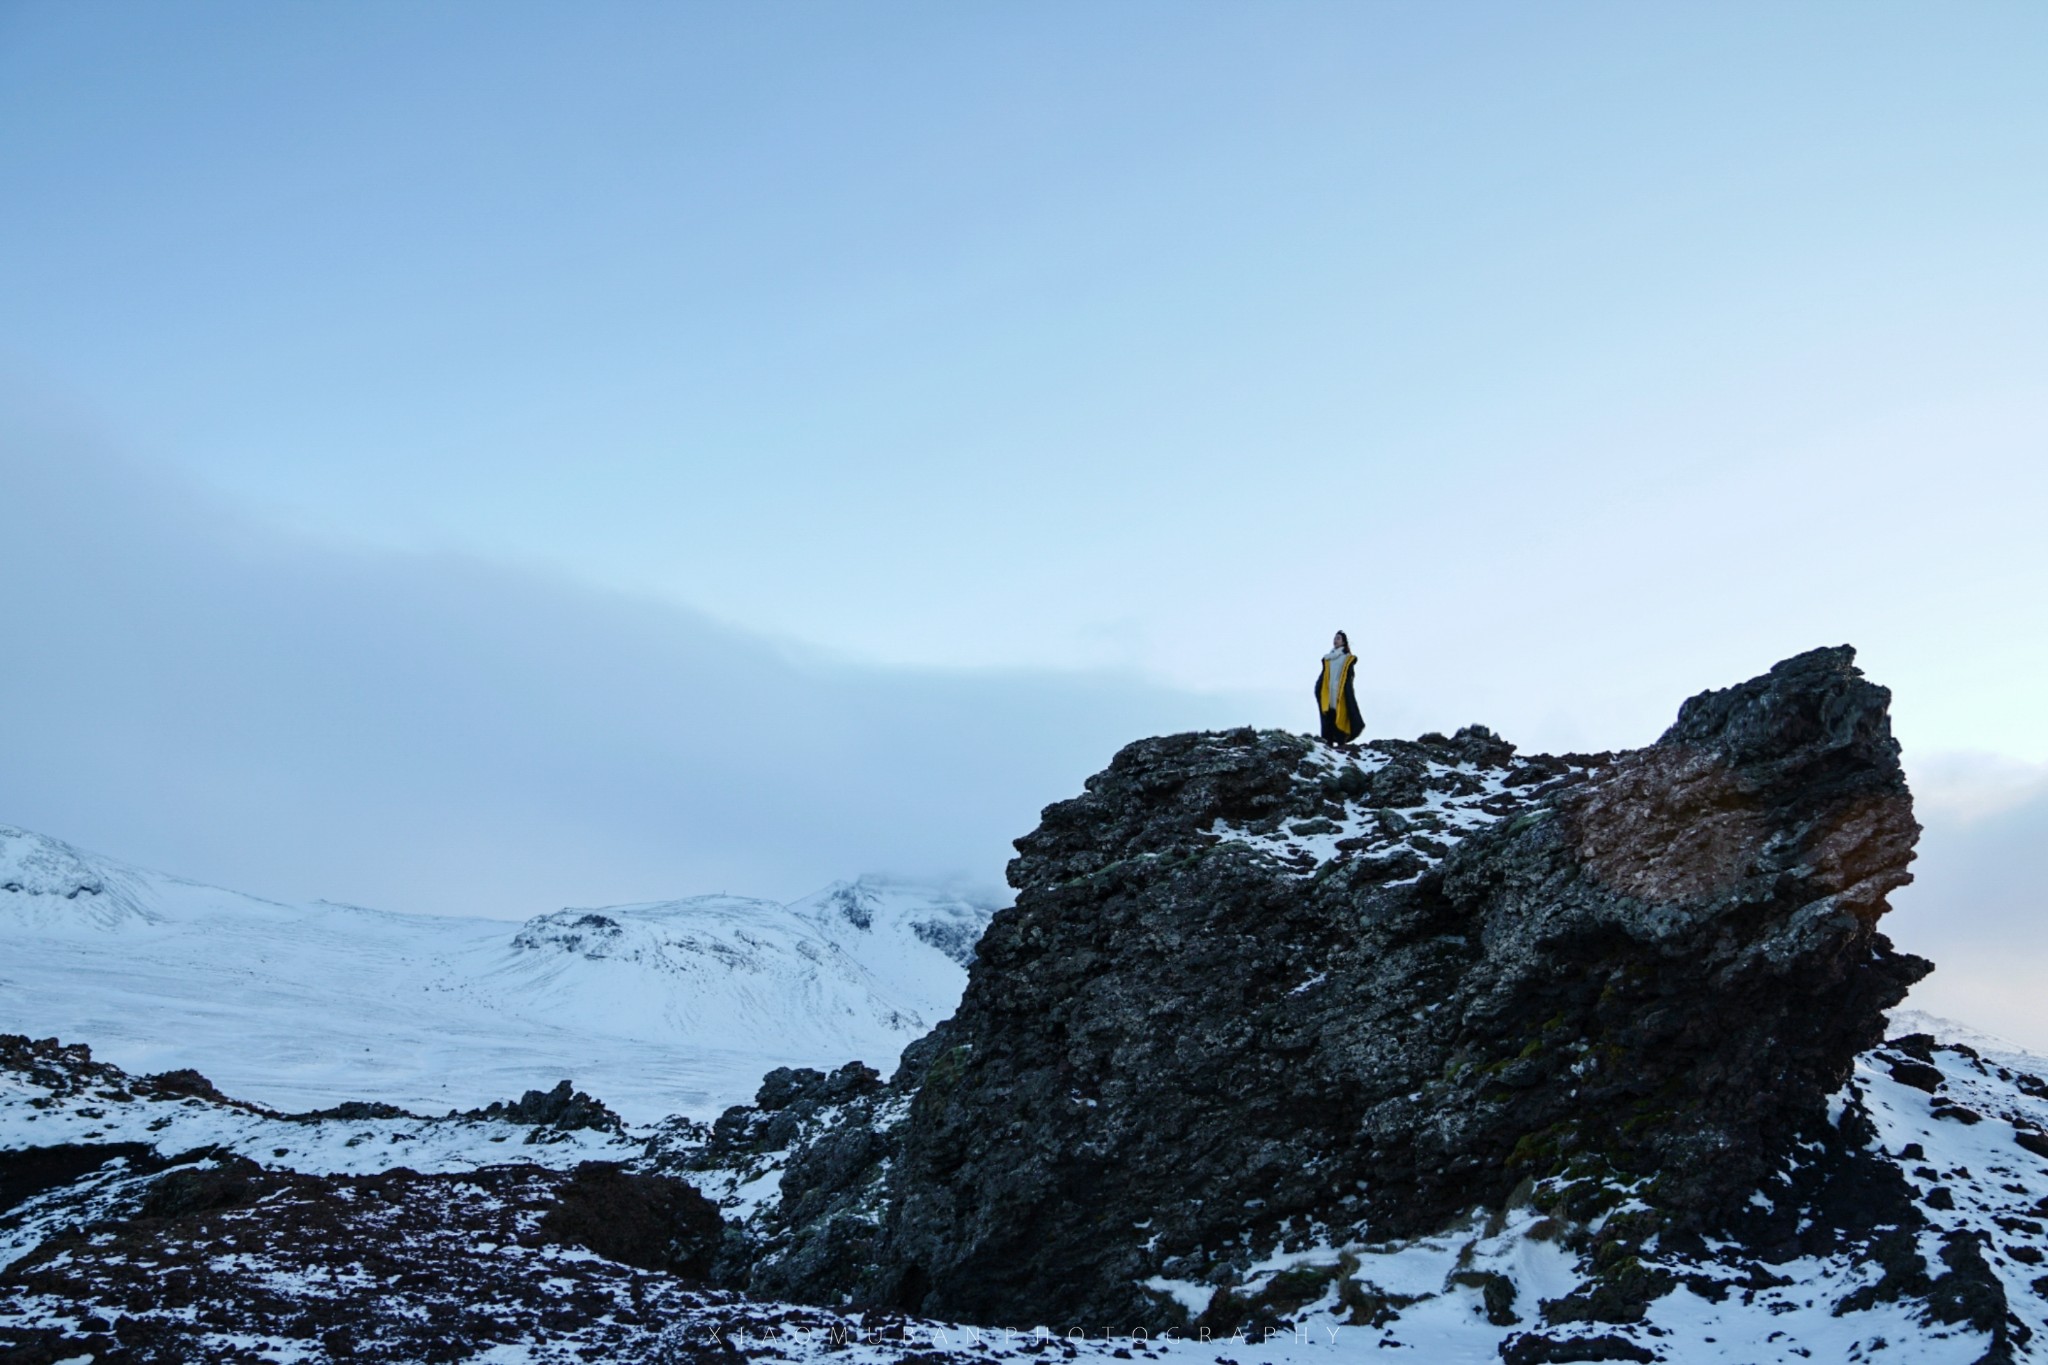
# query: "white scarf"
1333,676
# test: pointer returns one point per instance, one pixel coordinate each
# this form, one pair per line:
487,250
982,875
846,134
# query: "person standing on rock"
1334,695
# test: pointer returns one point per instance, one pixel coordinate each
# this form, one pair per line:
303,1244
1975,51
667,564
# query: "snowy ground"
1957,1129
1450,802
678,1007
1427,1298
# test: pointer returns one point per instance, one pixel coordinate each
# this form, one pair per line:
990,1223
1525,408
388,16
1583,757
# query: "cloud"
190,689
1964,788
1978,905
186,687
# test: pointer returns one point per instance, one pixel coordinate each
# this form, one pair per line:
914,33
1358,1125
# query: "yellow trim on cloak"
1333,694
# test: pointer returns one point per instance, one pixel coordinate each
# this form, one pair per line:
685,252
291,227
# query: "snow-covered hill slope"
676,1007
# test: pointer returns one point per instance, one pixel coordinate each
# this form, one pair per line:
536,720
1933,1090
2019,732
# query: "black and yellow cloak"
1336,699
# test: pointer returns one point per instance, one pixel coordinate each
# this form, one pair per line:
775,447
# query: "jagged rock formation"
1253,993
552,1113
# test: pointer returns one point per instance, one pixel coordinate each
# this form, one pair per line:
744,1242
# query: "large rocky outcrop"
1253,992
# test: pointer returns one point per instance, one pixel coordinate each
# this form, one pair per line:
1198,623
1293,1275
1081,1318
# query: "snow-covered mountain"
673,1007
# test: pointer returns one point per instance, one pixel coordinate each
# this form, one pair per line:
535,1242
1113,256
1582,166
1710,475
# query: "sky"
487,461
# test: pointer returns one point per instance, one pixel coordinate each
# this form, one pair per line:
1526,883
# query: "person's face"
1338,641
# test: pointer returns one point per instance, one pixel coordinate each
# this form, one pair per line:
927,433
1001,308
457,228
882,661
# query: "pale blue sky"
1146,335
1574,357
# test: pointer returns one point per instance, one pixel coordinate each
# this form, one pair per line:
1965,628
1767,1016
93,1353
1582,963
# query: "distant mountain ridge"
38,873
665,1007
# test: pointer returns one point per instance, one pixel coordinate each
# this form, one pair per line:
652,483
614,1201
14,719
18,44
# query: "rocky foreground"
1433,1045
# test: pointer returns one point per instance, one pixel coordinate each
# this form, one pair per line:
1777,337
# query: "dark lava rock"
1192,1040
565,1109
398,1267
230,1183
1919,1075
60,1068
827,1134
801,1089
27,1172
183,1084
1541,1350
655,1222
355,1110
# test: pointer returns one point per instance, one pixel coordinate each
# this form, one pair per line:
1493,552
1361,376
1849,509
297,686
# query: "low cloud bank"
192,690
1978,906
189,689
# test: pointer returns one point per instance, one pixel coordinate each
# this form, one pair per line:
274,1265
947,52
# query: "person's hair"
1345,638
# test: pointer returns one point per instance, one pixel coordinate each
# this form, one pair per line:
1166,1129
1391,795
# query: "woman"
1334,695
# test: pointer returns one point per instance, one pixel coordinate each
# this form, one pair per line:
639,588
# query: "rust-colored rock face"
1862,850
1671,824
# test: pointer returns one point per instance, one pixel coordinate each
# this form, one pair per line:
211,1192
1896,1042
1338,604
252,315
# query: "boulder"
1254,992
